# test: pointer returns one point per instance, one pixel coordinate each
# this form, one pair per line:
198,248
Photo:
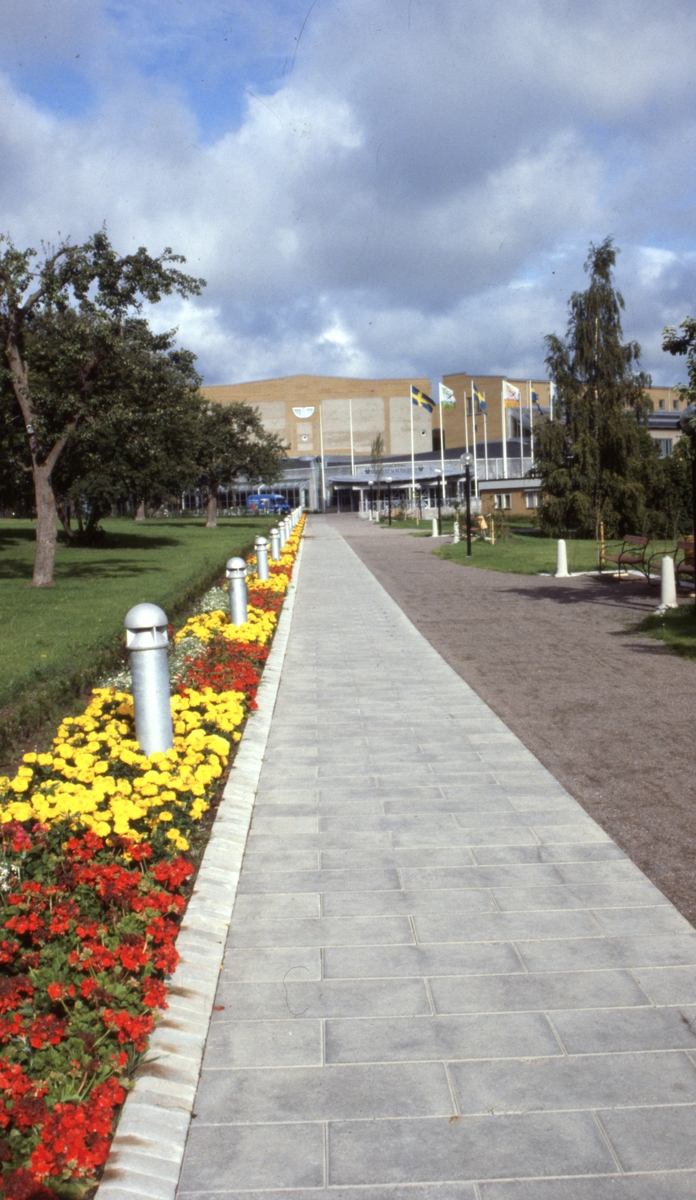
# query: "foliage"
64,323
597,461
91,896
676,628
529,554
230,441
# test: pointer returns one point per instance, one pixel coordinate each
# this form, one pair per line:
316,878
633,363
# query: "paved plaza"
443,980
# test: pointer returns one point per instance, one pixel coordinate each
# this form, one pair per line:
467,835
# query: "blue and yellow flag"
479,401
420,399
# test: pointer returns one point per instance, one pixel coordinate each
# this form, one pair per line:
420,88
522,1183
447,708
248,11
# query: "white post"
352,451
261,548
531,424
466,416
504,428
274,535
147,639
550,399
435,529
668,589
485,437
413,458
561,560
521,433
455,538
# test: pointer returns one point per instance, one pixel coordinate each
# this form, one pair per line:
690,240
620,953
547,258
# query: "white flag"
511,394
447,397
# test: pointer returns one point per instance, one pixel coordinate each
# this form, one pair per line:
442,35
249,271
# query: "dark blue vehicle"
267,502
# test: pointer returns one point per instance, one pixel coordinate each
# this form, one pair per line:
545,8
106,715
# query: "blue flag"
420,399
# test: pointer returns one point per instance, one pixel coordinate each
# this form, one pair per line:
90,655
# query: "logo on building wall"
303,413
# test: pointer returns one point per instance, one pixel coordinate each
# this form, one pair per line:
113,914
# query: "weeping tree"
597,461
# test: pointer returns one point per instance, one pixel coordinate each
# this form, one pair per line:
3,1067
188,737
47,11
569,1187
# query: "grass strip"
676,629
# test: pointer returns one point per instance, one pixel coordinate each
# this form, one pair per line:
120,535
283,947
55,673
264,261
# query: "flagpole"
531,423
442,448
466,420
413,459
504,426
485,435
519,407
323,471
352,451
473,422
550,399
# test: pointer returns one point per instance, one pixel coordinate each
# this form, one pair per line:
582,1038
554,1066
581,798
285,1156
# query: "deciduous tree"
81,297
231,442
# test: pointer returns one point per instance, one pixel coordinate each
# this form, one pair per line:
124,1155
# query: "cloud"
414,193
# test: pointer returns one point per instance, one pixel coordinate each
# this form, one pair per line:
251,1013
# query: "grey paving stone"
583,1082
613,1031
364,1092
434,1191
506,927
289,1043
510,993
631,894
278,905
471,1147
653,1139
331,931
254,1156
527,875
577,852
614,871
420,1039
671,1186
650,922
476,958
588,953
293,996
259,965
378,903
360,880
669,985
459,836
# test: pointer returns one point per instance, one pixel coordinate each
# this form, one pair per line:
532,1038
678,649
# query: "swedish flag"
420,399
478,398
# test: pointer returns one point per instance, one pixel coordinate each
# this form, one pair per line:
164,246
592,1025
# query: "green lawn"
676,628
527,554
46,632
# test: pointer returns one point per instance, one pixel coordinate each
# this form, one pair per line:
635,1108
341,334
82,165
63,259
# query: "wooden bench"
684,567
633,555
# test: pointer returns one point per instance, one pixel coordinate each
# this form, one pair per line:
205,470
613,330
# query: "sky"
375,188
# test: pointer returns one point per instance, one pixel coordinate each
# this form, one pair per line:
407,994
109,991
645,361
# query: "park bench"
633,555
684,566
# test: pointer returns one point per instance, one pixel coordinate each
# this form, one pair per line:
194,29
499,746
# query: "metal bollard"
283,529
146,641
456,537
261,548
436,531
274,535
236,574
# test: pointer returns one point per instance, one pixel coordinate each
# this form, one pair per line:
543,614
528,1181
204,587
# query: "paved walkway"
443,980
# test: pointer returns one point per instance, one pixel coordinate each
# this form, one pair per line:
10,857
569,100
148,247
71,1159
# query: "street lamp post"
439,502
467,460
389,483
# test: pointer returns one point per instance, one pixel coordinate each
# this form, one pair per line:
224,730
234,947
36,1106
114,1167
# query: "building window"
661,404
503,500
531,499
676,406
665,447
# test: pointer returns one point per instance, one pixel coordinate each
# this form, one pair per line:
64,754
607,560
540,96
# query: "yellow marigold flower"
166,816
31,757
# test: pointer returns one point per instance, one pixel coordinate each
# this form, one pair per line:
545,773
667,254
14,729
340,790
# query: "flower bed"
97,846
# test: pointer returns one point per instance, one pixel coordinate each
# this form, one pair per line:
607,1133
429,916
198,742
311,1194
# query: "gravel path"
608,713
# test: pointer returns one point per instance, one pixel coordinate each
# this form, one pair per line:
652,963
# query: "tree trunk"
140,511
211,511
63,510
46,527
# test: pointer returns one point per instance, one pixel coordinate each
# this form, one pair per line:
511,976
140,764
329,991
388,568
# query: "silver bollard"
147,639
561,560
235,570
283,530
274,535
261,548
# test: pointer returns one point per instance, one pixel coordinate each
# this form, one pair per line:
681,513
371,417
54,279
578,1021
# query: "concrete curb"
148,1148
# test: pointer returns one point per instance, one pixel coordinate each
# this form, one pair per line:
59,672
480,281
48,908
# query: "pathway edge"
148,1148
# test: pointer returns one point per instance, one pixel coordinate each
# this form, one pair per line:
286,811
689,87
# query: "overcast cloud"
370,187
